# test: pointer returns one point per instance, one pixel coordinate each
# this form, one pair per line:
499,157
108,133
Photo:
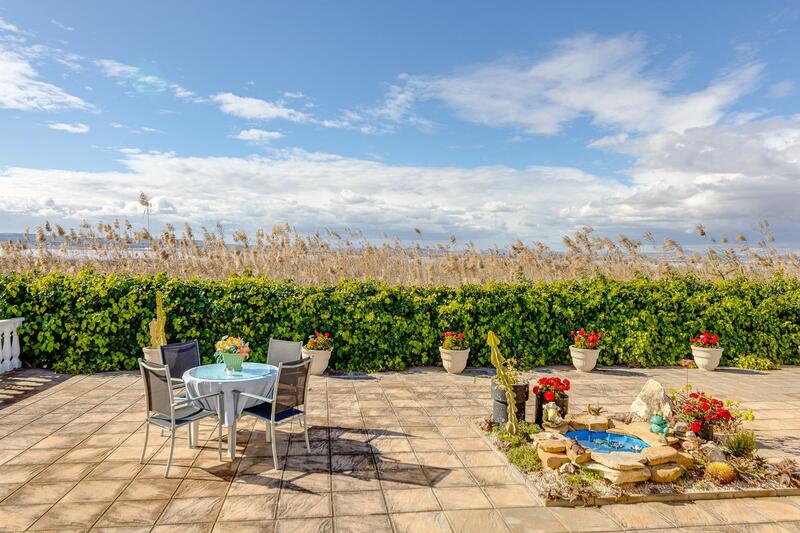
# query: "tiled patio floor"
390,452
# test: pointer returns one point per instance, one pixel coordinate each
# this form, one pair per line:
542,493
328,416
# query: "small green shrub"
524,434
754,362
740,443
525,458
584,477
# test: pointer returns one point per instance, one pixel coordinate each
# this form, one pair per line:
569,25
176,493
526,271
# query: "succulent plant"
720,473
158,334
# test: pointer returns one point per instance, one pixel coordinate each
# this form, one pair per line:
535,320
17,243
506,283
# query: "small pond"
602,442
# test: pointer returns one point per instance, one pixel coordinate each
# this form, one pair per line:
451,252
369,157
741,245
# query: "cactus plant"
720,473
158,334
505,379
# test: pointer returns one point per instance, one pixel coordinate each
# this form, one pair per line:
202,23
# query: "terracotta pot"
500,405
538,403
319,360
584,359
454,361
152,355
706,358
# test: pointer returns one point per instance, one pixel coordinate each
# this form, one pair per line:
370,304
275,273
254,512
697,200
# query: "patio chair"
165,412
288,395
281,351
180,357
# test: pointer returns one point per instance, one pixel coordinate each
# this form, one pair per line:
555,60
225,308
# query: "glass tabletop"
216,372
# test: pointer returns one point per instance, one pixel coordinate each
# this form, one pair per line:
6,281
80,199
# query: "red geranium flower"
549,396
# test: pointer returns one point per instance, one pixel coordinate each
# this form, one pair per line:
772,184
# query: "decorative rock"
690,444
567,468
712,452
552,461
684,459
652,400
666,472
619,460
642,473
552,445
656,455
587,421
578,454
680,428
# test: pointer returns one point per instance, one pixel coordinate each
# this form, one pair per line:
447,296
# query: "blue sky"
491,124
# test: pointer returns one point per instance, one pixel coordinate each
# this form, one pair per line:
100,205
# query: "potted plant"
318,347
158,335
585,349
706,351
232,351
550,389
704,413
454,352
509,391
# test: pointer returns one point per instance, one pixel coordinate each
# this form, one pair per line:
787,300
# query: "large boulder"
684,459
588,421
552,461
652,400
712,452
578,454
642,473
552,445
666,472
619,460
657,455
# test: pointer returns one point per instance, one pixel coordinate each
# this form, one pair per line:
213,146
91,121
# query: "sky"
491,123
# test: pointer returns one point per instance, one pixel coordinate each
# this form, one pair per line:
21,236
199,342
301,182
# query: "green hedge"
91,322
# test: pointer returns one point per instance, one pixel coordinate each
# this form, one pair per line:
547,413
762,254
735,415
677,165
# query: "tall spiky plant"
158,333
505,379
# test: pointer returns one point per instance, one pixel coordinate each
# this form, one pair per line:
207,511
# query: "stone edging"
636,498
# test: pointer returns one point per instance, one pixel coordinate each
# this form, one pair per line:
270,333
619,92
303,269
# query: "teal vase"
233,361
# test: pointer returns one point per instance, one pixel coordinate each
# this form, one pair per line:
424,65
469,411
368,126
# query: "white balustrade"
9,344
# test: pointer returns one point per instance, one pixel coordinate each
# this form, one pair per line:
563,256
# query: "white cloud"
255,135
78,127
61,25
257,109
290,94
21,89
607,79
781,89
7,26
144,82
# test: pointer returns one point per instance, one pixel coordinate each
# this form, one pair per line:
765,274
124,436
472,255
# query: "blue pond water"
600,441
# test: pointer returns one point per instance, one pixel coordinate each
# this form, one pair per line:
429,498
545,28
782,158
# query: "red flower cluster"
319,341
458,336
706,340
587,339
552,388
699,409
454,340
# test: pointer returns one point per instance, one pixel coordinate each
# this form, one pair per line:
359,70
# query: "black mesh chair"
165,412
180,357
288,396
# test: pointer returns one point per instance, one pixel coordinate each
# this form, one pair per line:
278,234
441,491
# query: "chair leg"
146,434
189,435
171,449
267,431
274,446
219,440
305,432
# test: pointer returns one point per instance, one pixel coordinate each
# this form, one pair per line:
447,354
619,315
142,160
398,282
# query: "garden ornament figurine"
551,416
659,425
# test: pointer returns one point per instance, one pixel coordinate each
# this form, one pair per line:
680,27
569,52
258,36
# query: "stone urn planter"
706,358
584,359
319,360
538,404
454,361
152,355
500,405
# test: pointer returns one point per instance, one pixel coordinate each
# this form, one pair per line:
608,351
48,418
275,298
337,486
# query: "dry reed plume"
283,253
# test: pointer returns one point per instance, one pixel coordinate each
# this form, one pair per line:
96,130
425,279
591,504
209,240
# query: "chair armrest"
254,396
190,399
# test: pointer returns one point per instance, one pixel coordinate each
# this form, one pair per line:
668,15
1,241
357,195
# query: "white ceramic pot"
706,358
152,355
584,359
319,360
454,361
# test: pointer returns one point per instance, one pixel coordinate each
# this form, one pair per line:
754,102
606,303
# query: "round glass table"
255,378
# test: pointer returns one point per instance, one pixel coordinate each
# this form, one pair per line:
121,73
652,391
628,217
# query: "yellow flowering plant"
231,345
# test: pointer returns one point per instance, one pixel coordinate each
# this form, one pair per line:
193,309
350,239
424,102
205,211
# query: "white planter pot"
152,355
706,358
319,360
9,344
454,361
584,359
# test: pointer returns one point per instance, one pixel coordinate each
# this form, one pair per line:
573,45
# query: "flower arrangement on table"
704,413
552,389
454,340
586,340
319,341
706,340
232,351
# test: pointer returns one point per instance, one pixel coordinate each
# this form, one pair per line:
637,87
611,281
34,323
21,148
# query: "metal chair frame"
278,351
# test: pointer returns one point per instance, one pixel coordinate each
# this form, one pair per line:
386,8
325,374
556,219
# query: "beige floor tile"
494,475
304,525
584,519
439,459
487,458
306,481
34,456
98,490
355,480
20,517
469,444
150,489
244,508
777,509
191,510
363,524
132,513
252,485
71,515
503,496
412,500
531,520
683,514
200,488
121,470
39,493
342,463
404,478
638,516
461,498
300,504
365,502
448,477
420,522
737,511
63,472
182,528
477,520
259,526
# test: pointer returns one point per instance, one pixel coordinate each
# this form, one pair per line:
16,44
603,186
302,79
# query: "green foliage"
525,432
525,458
91,322
741,443
584,477
754,362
